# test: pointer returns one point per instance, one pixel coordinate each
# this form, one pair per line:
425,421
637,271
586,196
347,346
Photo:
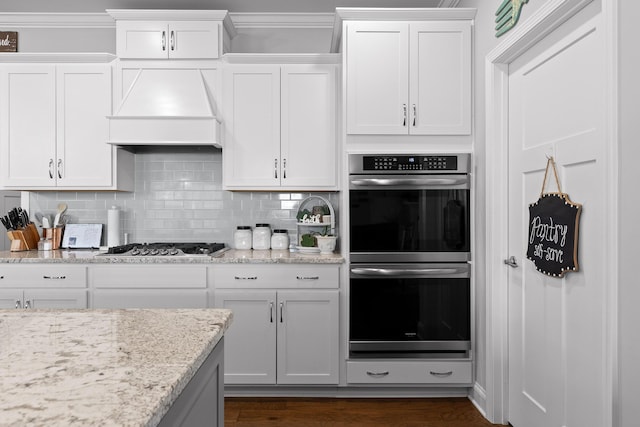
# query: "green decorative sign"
507,15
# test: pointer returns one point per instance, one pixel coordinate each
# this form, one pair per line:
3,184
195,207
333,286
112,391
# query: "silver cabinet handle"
270,311
27,304
511,262
51,168
441,374
1,277
275,168
307,277
284,168
246,278
378,374
18,304
54,277
281,311
173,40
60,168
164,41
414,115
404,114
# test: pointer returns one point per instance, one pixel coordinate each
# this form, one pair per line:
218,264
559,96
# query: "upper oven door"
409,218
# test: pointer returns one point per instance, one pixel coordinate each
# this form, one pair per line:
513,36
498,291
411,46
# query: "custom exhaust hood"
166,106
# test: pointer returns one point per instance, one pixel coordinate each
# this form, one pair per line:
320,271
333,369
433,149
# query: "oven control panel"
409,163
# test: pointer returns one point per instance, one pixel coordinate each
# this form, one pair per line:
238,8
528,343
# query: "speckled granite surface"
100,367
231,256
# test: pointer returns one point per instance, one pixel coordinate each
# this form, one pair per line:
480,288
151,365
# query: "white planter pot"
327,244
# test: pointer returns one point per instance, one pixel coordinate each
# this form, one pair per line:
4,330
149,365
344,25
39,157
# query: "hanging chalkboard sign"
8,41
553,231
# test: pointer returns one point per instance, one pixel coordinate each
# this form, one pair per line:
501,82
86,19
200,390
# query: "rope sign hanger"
553,230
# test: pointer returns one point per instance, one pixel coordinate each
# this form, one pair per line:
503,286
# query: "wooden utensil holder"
55,234
24,239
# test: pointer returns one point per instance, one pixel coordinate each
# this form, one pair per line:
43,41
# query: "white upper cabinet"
53,128
408,77
160,40
280,123
171,34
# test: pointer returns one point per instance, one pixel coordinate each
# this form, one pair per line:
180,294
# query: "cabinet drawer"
409,372
156,276
297,276
38,276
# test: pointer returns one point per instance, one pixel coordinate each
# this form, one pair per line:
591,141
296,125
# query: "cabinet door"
250,345
84,159
440,78
308,337
308,144
252,123
55,298
377,77
142,39
27,125
193,39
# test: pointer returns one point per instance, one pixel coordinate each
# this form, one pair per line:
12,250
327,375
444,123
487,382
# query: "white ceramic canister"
242,237
280,239
261,237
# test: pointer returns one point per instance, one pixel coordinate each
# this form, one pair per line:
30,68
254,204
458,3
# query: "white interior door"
557,326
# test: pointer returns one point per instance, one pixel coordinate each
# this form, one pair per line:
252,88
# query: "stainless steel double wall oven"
409,234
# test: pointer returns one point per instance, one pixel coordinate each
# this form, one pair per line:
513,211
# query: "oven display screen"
410,163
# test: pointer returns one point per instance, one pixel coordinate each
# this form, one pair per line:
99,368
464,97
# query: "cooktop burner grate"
165,249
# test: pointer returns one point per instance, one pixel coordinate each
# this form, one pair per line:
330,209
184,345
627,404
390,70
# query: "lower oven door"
409,310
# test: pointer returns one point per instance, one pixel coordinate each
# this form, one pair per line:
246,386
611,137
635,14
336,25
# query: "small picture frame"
8,41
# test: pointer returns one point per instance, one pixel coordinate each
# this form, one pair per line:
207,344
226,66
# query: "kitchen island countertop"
230,256
100,367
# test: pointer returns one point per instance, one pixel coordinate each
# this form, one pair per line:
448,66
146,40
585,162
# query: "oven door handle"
418,181
386,272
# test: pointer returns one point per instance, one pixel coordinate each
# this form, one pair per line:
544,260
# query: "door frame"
541,23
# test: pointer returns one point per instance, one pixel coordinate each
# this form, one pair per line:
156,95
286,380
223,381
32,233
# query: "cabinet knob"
51,168
60,168
27,304
18,303
281,311
164,41
307,277
54,277
275,168
284,169
173,40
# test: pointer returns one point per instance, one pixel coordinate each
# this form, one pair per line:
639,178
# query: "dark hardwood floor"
327,412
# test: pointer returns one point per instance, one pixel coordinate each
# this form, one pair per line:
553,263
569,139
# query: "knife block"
24,239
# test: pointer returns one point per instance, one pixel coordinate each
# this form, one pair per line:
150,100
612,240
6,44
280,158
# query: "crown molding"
56,20
55,57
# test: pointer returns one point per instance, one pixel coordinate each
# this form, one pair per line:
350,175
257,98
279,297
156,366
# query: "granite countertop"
100,367
230,256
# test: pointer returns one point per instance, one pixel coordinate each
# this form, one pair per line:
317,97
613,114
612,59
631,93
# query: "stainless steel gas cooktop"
168,249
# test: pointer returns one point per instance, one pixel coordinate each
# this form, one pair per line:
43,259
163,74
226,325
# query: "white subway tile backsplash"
179,197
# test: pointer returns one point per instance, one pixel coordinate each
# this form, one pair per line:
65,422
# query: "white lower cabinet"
148,286
285,323
43,286
427,372
281,337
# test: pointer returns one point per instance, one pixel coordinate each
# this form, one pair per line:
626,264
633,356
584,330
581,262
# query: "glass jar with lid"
280,239
242,237
262,237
